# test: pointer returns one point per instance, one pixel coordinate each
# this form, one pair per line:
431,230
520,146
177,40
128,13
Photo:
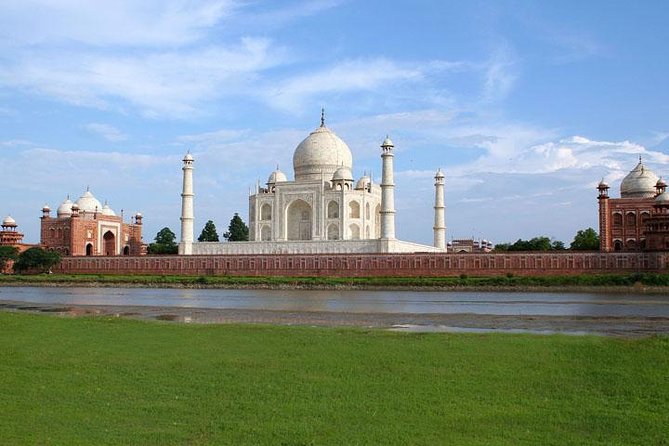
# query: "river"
357,301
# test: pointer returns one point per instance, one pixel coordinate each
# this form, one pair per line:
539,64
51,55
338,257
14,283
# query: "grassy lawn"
584,280
111,381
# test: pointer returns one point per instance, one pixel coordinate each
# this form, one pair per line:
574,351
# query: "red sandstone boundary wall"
370,265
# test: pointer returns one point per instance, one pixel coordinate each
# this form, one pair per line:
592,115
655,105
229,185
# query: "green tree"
36,260
557,245
542,243
7,253
237,230
585,240
165,243
209,233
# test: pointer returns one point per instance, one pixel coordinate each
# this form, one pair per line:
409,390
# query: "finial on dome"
322,116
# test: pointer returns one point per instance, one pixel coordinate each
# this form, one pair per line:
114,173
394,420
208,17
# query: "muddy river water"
356,301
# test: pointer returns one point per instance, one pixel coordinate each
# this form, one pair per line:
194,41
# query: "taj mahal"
322,210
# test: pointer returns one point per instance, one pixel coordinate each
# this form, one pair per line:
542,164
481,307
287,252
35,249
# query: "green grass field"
111,381
508,281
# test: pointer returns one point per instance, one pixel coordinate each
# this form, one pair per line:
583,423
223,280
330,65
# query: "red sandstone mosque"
639,219
88,228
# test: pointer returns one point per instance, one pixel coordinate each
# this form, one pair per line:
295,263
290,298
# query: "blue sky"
524,105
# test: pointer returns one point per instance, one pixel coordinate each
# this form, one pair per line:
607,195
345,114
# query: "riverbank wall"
373,265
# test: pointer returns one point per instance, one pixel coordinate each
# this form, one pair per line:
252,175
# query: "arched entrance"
109,243
298,221
89,249
126,251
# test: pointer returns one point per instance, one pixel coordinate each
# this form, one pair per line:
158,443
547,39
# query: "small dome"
106,210
660,183
75,207
46,208
602,184
663,198
9,222
138,215
363,182
65,209
88,203
439,174
342,174
387,143
320,154
277,177
188,157
639,183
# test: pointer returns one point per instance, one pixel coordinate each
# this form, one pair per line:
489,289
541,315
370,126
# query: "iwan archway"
298,221
109,243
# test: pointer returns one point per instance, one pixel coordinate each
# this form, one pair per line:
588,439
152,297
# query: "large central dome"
320,155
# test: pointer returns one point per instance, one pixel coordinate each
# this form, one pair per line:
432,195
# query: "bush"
36,260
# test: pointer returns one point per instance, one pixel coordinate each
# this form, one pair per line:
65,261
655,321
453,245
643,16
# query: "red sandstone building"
87,228
460,246
639,219
10,236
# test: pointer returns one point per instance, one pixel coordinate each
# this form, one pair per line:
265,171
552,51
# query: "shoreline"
623,326
608,289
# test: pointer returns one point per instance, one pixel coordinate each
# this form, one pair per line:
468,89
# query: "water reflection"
448,302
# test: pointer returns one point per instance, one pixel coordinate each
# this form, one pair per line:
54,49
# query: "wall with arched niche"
333,232
333,209
299,216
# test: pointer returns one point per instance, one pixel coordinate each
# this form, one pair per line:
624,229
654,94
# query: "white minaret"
387,191
187,217
439,218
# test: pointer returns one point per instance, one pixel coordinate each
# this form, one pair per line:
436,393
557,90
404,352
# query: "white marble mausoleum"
322,210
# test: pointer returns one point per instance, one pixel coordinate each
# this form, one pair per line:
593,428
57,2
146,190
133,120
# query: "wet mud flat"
621,326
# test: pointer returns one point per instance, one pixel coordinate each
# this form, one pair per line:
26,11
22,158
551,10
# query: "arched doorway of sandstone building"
298,220
617,245
109,243
126,251
89,249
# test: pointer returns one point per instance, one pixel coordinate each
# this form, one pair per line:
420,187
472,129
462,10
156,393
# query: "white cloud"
121,22
500,75
169,84
15,143
108,132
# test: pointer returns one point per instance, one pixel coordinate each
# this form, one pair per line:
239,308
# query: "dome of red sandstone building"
639,183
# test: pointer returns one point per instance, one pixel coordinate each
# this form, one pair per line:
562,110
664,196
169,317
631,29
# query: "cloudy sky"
524,105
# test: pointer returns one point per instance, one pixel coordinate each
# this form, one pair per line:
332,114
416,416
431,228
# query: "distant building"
10,236
87,228
634,222
469,245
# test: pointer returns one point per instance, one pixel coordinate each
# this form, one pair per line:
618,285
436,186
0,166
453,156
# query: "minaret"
186,245
604,217
387,191
439,218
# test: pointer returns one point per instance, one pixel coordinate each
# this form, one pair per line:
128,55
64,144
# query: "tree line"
584,240
31,260
165,241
